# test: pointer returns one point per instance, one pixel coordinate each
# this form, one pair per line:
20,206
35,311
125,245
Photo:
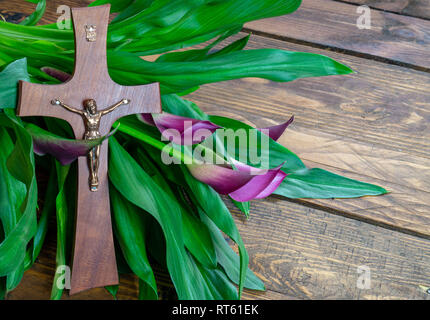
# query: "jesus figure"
91,117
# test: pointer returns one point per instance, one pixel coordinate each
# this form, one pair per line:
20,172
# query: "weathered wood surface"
373,126
327,23
415,8
300,253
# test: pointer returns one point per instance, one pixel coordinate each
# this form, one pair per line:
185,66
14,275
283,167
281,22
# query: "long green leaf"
141,190
20,164
272,64
48,208
65,206
229,260
116,5
9,78
12,195
129,226
213,206
197,238
176,21
35,17
321,184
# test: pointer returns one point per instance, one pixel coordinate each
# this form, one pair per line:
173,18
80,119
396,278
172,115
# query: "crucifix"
91,102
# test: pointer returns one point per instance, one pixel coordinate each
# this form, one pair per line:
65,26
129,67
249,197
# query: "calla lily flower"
276,131
57,74
244,184
64,150
187,131
178,129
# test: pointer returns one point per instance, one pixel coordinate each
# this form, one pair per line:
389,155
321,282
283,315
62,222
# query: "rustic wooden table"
373,126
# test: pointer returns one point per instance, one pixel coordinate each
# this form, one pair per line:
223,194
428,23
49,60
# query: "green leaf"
133,9
176,105
218,283
146,292
12,191
65,208
12,195
242,206
2,288
35,17
9,78
213,206
116,5
113,290
48,208
197,238
20,164
229,260
142,191
130,230
167,22
201,54
233,47
321,184
271,64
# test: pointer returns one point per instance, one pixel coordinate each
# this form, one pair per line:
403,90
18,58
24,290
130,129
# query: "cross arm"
142,99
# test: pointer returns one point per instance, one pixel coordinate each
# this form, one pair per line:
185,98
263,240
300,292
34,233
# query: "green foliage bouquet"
169,215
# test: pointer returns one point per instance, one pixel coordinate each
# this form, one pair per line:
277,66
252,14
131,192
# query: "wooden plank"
15,11
299,252
308,253
415,8
405,208
326,23
37,282
372,126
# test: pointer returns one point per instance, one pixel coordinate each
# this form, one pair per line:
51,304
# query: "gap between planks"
391,120
393,38
420,8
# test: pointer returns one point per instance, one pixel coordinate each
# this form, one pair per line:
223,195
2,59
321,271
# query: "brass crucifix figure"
91,117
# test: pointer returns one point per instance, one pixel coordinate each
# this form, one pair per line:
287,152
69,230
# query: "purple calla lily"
57,74
276,131
178,129
244,184
187,131
64,150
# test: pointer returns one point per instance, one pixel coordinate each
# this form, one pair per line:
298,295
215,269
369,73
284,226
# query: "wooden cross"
94,263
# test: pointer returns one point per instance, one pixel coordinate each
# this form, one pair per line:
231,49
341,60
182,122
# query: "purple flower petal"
276,131
223,179
178,129
260,186
146,118
57,74
244,184
64,150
